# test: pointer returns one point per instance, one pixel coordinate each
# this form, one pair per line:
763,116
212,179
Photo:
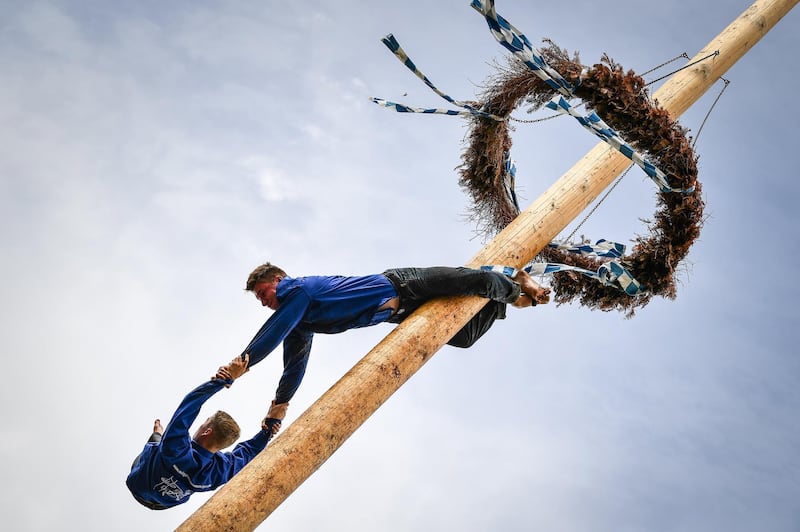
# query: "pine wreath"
622,100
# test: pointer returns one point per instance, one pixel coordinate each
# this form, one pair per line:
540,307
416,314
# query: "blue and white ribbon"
610,273
596,125
469,109
509,177
400,108
515,41
601,248
519,45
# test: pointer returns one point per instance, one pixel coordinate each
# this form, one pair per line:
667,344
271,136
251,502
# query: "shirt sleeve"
296,350
292,308
230,463
176,441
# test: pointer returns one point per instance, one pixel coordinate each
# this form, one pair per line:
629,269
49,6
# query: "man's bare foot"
157,427
531,291
523,301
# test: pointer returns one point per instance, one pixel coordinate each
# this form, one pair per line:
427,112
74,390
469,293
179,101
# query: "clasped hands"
234,369
238,367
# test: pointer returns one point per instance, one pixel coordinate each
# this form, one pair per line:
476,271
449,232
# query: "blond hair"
225,430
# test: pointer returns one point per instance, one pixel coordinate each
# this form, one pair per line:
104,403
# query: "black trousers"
416,286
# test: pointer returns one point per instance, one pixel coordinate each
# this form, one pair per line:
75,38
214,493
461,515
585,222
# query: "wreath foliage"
621,99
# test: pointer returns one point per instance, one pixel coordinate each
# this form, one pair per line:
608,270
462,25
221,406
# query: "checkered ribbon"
596,125
509,177
468,109
519,45
512,39
610,274
601,248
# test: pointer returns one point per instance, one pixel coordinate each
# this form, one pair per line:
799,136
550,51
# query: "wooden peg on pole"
253,494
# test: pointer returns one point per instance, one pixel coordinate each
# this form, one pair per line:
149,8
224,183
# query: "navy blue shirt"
318,304
166,473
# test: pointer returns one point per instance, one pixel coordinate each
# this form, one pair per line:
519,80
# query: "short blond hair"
225,430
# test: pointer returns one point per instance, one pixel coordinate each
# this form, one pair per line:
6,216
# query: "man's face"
265,292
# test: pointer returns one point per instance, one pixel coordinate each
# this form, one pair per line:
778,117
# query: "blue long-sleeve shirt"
168,472
318,304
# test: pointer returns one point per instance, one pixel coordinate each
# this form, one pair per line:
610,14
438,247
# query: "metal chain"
684,55
608,192
713,54
727,82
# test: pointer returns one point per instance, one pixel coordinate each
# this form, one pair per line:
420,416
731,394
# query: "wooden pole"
253,494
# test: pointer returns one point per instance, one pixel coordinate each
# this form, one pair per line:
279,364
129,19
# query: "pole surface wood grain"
253,494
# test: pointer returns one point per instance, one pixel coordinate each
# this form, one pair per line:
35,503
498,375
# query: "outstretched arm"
291,311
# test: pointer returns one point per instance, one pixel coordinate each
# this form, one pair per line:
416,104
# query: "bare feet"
157,427
532,292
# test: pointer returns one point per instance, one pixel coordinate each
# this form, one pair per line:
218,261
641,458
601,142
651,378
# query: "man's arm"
230,463
296,350
176,440
292,308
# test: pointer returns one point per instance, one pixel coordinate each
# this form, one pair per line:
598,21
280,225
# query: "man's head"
217,432
263,282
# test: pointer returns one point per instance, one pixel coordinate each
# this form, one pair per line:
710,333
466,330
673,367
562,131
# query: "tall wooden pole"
291,458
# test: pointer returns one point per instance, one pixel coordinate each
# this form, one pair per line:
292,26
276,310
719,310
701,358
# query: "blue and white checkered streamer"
601,248
509,177
400,108
596,125
392,44
519,45
613,272
610,273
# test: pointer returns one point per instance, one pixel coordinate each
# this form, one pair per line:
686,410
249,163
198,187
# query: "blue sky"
153,155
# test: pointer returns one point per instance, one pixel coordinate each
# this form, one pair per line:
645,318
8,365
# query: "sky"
153,153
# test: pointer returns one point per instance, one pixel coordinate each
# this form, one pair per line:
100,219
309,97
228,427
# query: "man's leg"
479,324
417,285
422,284
155,437
158,430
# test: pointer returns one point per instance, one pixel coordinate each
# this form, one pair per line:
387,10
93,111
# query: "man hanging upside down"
174,465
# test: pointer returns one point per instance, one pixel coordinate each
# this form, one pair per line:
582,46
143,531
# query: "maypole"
252,495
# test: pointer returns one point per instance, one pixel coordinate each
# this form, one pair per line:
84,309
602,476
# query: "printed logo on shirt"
168,487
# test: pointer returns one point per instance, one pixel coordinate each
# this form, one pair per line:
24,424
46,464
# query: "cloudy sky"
153,153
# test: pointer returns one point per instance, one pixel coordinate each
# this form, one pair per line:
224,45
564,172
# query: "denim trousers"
416,286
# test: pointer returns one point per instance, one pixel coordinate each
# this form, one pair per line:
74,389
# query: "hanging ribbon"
509,177
515,41
596,125
519,45
601,248
610,273
392,44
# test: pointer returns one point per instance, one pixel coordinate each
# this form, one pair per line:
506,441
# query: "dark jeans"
415,286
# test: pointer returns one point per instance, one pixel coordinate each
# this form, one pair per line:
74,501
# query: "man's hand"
277,411
234,369
273,427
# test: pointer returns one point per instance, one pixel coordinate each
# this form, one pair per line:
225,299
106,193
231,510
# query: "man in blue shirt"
331,304
173,466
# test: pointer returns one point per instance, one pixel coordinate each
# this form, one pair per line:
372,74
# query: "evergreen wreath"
622,100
